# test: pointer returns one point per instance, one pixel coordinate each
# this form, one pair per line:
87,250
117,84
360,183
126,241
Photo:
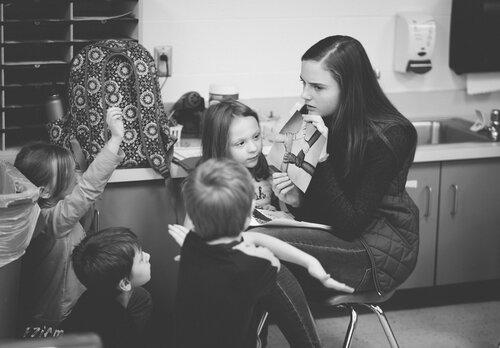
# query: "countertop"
424,153
191,148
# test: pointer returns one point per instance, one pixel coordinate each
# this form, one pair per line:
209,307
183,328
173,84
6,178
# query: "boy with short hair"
113,267
224,272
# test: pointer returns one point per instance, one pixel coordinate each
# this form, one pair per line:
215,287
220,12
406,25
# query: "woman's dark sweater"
348,204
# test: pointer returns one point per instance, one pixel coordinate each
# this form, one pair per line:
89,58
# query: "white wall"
257,44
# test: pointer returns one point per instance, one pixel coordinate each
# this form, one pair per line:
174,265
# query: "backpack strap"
188,164
78,153
164,168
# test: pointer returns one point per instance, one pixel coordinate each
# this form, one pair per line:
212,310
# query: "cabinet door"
469,222
38,39
147,207
34,53
423,187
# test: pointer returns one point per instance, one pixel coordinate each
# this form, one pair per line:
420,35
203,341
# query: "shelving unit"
38,39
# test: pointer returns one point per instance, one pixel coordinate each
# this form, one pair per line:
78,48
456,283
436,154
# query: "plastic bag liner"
18,212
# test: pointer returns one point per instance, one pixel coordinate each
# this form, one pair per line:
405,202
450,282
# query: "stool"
262,322
369,300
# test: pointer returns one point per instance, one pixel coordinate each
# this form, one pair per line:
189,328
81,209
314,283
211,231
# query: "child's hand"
317,271
114,119
258,251
268,207
331,283
178,232
285,190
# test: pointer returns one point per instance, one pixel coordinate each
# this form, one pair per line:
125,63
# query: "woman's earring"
124,285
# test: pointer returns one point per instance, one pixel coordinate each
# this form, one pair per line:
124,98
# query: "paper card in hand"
297,149
278,218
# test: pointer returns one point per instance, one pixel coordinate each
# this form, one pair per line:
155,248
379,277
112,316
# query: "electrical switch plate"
163,60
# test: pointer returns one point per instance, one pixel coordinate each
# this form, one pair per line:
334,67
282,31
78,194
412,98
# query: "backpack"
118,73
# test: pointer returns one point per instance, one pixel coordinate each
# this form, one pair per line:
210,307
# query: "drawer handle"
454,208
428,191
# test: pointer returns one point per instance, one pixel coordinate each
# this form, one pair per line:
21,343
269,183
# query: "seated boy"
112,266
224,273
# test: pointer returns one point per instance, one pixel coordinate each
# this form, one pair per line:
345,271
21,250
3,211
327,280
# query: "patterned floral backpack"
118,73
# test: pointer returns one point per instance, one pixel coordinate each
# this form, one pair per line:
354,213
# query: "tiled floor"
465,316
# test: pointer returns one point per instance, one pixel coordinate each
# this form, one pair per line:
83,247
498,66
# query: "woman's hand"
285,190
317,122
317,271
114,119
258,251
178,232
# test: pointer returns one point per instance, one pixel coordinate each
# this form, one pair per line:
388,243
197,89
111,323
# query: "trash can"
18,216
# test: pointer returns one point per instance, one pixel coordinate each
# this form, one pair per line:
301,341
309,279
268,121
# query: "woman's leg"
346,261
288,308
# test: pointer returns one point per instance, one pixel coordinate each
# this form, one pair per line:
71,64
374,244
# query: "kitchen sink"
447,131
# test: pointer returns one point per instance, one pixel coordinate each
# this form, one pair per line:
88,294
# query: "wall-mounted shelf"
38,39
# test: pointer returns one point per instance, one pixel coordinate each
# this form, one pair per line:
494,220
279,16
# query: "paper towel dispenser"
475,36
414,42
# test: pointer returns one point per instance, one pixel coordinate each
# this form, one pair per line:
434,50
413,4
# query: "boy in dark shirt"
224,272
112,266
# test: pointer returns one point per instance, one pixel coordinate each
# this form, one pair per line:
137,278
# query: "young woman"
359,190
52,287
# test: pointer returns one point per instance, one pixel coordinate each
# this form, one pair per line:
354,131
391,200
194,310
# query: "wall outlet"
163,60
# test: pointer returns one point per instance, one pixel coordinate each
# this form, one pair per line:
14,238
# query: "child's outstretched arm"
69,210
287,252
114,119
179,232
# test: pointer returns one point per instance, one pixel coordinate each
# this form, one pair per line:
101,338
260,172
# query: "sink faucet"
494,128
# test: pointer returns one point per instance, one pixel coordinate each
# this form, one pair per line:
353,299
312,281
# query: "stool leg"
385,324
259,328
351,327
262,322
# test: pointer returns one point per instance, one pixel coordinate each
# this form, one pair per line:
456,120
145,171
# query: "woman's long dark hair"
363,106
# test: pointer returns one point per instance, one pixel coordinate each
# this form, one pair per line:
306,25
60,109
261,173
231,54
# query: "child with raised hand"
51,287
225,272
113,267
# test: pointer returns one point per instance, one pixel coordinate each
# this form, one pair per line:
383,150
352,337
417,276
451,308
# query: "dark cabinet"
423,187
38,39
459,221
468,245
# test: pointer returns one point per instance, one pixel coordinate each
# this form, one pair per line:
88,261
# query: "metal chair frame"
349,301
368,300
262,322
